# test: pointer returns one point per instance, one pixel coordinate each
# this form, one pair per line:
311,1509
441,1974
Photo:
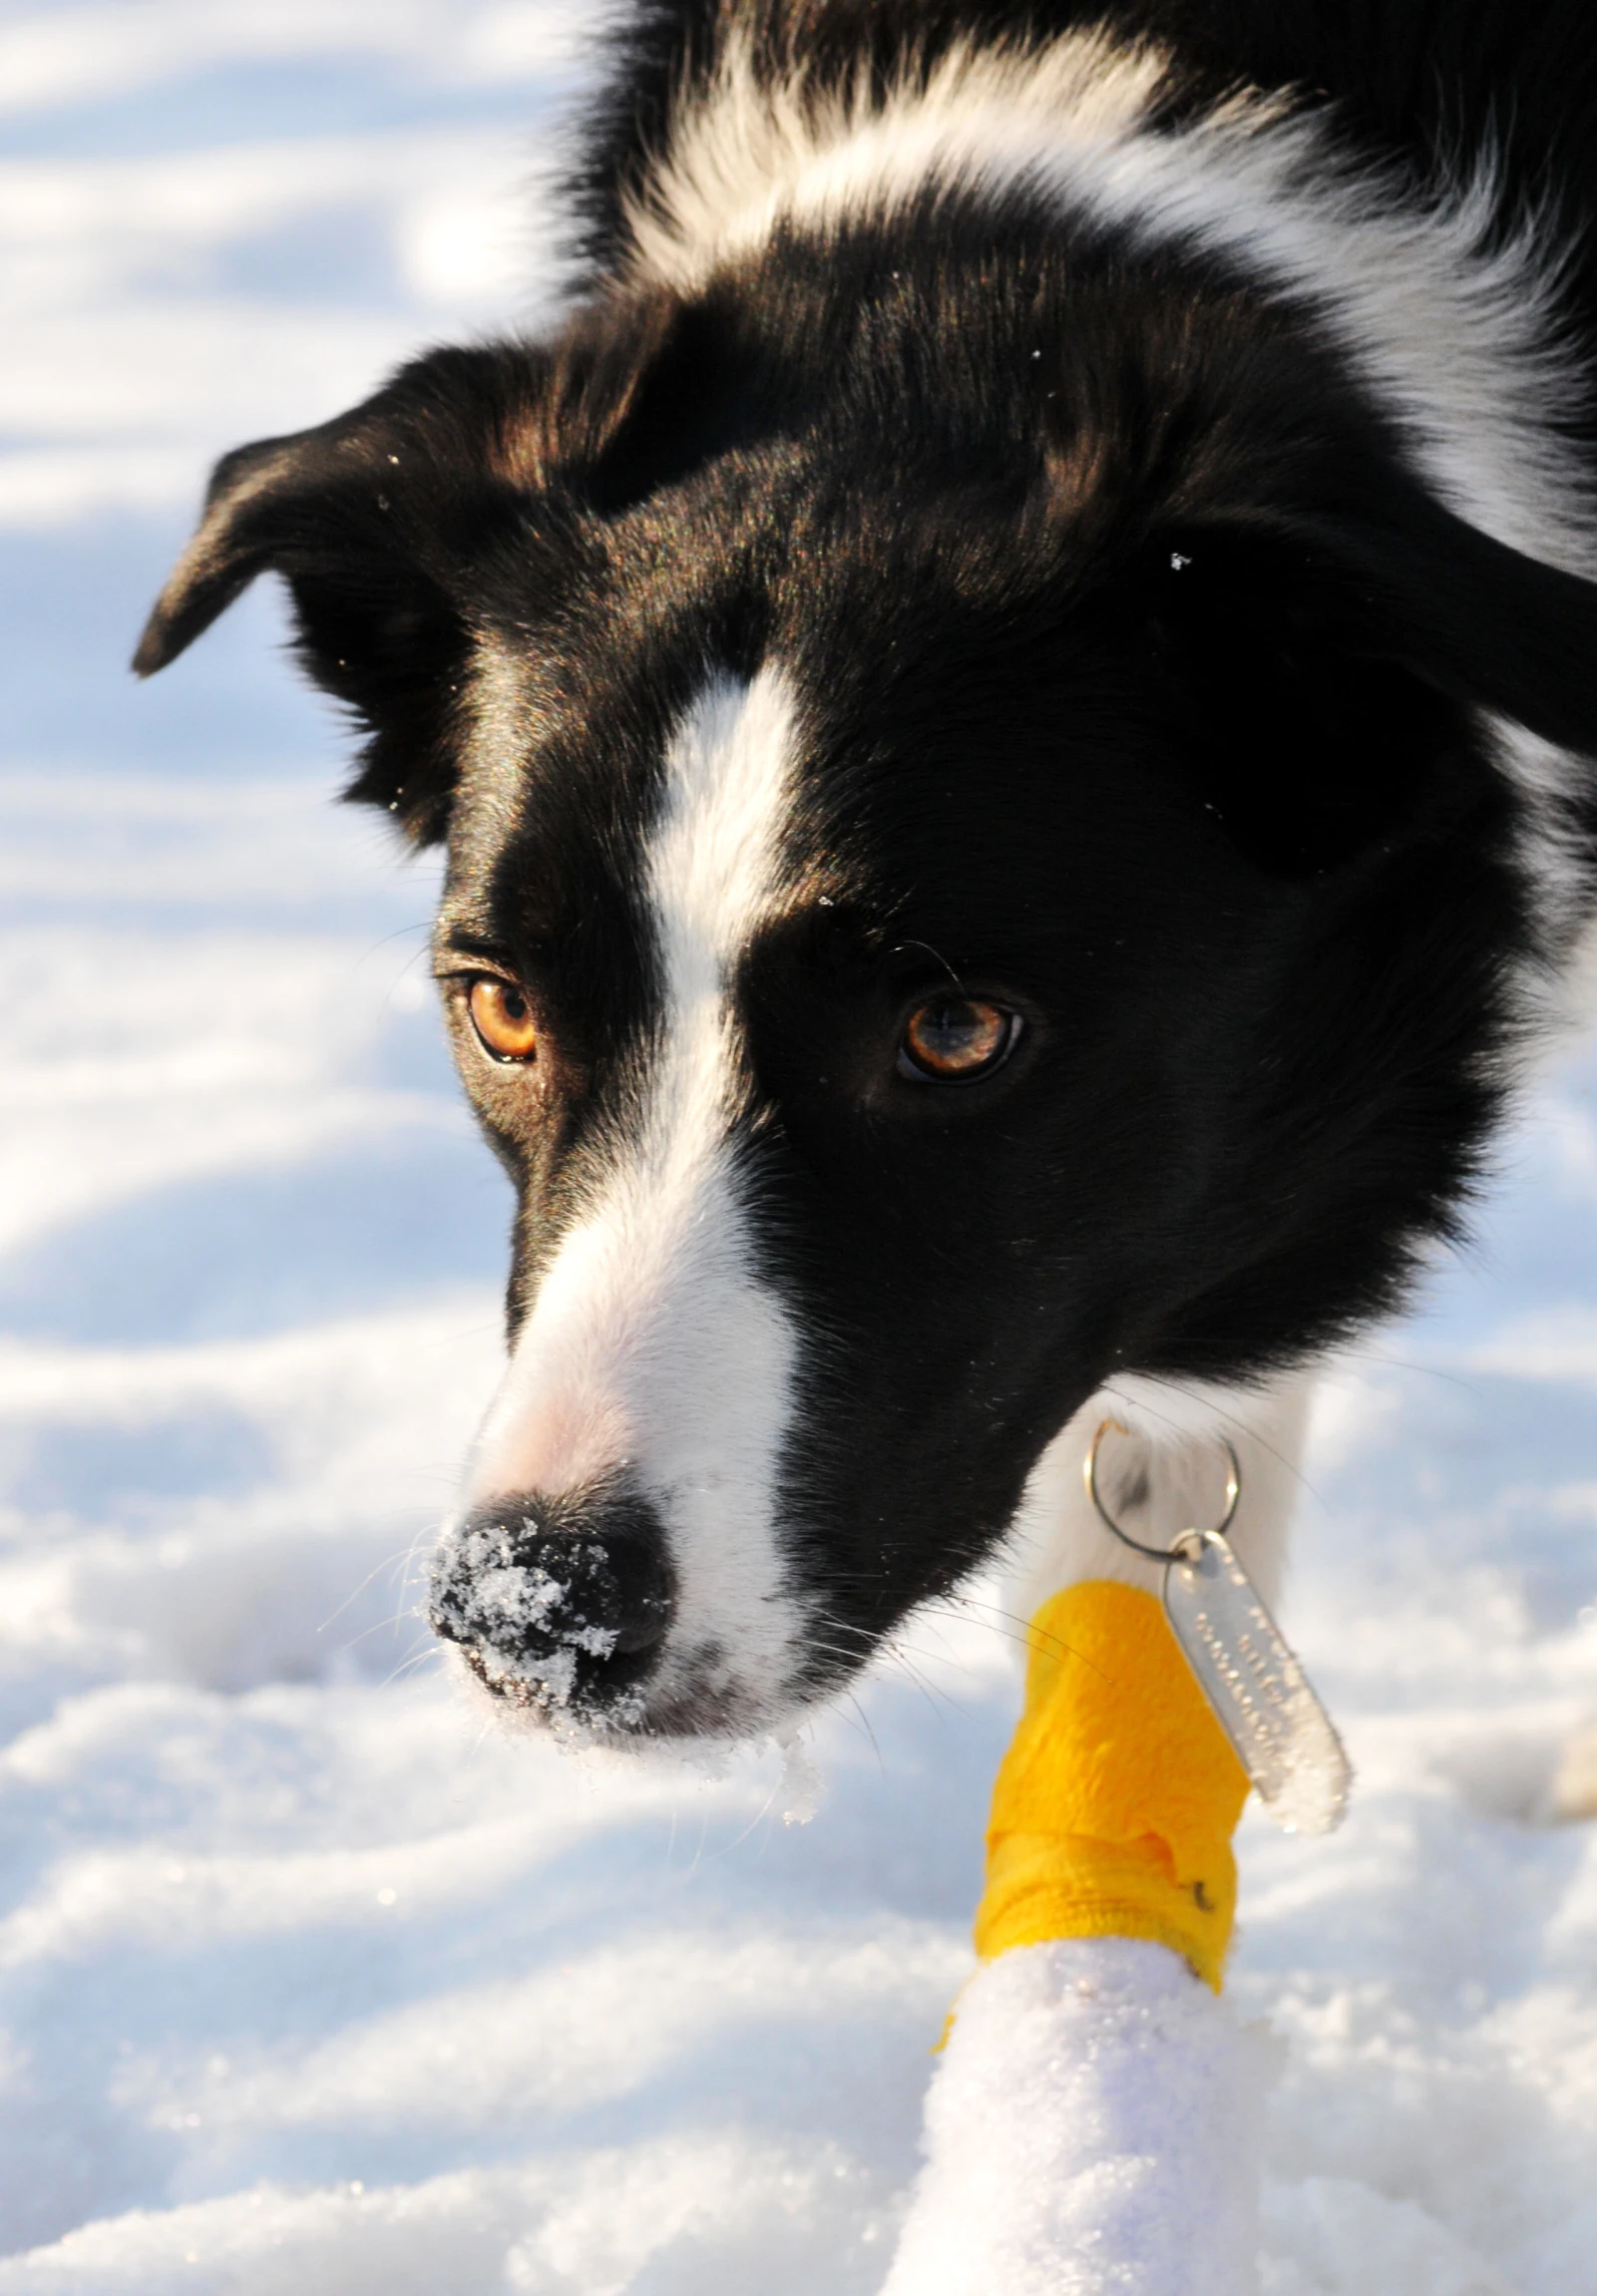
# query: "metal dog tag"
1283,1736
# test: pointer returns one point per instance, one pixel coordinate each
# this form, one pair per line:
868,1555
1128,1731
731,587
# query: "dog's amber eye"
955,1039
502,1019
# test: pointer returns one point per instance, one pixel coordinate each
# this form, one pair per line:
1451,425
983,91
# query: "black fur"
1142,681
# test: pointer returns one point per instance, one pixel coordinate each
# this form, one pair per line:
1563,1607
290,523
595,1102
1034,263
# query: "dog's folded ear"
1481,620
1341,658
370,519
382,520
305,506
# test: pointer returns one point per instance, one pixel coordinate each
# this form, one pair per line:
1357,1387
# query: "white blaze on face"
652,1350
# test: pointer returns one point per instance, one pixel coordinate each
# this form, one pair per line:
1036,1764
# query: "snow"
307,1982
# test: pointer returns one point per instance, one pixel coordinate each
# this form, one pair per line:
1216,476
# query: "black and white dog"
1010,695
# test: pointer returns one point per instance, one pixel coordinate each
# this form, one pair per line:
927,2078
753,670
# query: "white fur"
1058,1539
1457,337
742,157
650,1348
1095,2125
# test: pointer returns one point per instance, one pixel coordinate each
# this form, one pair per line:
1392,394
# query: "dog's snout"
557,1602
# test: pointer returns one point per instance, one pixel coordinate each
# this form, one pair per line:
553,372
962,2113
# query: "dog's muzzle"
561,1604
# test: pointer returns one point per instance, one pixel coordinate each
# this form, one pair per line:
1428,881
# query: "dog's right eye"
956,1039
502,1017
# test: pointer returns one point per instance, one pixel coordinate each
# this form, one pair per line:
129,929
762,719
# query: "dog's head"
977,865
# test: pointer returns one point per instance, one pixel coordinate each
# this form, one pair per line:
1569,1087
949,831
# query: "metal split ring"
1188,1545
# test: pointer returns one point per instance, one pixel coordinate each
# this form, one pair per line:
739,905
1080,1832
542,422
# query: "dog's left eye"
502,1017
955,1039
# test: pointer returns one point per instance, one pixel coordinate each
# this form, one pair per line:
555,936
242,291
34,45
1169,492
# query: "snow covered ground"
303,1983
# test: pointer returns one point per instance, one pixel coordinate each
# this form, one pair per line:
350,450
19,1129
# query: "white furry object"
1095,2125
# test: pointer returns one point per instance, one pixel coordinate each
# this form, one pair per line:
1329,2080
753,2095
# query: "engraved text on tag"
1283,1736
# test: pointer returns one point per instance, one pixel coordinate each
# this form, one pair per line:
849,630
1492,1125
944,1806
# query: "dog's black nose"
559,1602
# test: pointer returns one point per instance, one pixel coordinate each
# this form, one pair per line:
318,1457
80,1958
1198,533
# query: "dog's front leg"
1094,2123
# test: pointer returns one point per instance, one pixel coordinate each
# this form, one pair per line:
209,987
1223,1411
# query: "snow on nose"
556,1604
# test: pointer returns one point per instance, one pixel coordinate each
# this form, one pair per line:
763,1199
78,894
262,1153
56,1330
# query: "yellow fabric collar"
1115,1807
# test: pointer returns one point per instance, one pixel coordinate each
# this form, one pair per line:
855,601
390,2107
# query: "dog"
1009,692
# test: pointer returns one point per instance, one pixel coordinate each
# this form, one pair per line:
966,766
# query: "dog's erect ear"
1339,659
